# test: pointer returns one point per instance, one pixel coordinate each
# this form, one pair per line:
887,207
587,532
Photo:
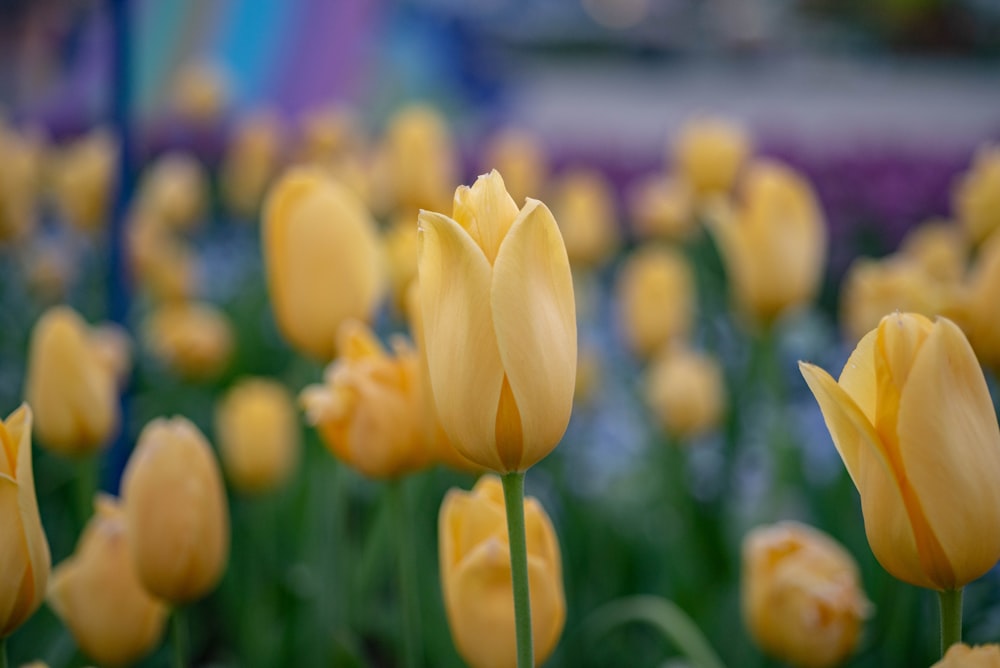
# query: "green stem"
513,495
951,618
3,653
178,638
409,594
86,487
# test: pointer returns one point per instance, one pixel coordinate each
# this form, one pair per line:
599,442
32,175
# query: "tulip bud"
774,246
709,153
939,248
24,551
49,270
174,189
913,421
20,182
662,207
655,298
420,159
83,176
322,259
961,655
176,510
327,134
976,310
802,596
402,246
367,409
200,92
686,391
70,385
520,157
499,320
193,339
584,205
251,161
99,597
164,266
258,430
476,576
976,199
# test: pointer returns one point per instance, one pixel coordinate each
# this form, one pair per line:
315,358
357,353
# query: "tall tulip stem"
513,494
178,638
3,653
951,618
408,583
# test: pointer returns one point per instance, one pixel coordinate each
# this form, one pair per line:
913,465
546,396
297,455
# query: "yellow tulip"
655,295
584,205
98,595
686,392
476,576
402,246
328,134
520,157
499,322
420,159
976,199
165,267
662,207
200,92
70,385
801,595
20,181
368,408
176,511
322,258
913,421
194,340
258,430
252,158
174,189
24,551
774,245
83,176
940,248
709,153
961,655
49,270
977,305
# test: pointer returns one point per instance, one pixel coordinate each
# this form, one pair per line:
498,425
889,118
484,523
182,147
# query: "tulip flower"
322,259
709,153
99,597
655,295
940,248
961,655
912,418
801,594
327,134
774,245
193,339
662,207
686,392
20,181
499,323
977,303
520,157
165,267
476,576
82,176
174,190
24,551
402,246
368,408
420,159
176,511
583,203
976,199
71,385
258,430
252,159
200,92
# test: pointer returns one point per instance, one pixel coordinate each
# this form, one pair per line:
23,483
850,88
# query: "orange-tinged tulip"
499,321
322,258
258,430
961,655
655,298
24,551
195,340
476,576
70,384
98,595
913,421
368,408
520,157
83,176
709,153
774,245
662,207
174,190
686,392
252,159
802,596
976,199
176,511
583,203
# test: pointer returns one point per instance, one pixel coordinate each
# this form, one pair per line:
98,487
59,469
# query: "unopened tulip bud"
251,161
402,246
99,597
662,207
476,576
195,340
20,181
584,206
420,159
976,198
655,299
940,248
709,153
174,189
976,310
686,392
520,157
200,92
176,510
83,176
961,655
165,267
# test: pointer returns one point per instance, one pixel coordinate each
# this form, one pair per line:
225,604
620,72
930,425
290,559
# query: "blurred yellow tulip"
476,576
709,152
662,207
368,408
774,243
913,421
322,259
499,325
193,339
686,392
24,551
252,159
583,203
176,511
976,198
420,159
20,181
402,246
939,247
82,180
655,295
801,594
70,385
257,426
174,190
520,157
164,266
48,269
200,92
327,134
961,655
976,310
97,593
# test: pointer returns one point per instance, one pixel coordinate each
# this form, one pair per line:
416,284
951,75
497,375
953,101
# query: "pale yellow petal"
858,376
463,360
486,211
535,318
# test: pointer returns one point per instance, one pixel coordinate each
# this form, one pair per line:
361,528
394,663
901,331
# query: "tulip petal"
40,560
463,361
13,557
950,441
534,313
858,377
887,522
